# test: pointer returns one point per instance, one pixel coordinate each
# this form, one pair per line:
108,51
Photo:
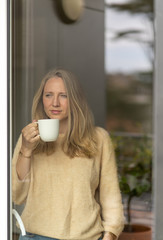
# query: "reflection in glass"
129,65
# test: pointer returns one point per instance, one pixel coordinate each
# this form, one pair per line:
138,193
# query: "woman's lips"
55,111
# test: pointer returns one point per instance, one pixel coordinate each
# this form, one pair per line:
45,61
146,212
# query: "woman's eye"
47,95
64,95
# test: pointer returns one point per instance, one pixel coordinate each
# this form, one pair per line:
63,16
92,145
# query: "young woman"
70,187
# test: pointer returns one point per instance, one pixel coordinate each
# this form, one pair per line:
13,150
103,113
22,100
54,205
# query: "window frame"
5,120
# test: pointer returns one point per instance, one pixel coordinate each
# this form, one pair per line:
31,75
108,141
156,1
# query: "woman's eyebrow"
54,92
48,92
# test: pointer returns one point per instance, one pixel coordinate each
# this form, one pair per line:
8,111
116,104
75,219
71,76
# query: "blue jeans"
31,236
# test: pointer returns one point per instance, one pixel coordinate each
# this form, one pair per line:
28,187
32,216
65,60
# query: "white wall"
3,119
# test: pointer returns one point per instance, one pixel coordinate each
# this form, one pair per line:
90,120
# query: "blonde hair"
80,138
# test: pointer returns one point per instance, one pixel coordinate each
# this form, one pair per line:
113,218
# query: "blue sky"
125,55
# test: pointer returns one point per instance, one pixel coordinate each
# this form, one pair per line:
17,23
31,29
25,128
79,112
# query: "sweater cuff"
116,230
27,178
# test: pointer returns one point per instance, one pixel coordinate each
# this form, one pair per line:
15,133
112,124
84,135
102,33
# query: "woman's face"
55,99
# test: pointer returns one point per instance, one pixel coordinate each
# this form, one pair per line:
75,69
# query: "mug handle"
21,225
37,124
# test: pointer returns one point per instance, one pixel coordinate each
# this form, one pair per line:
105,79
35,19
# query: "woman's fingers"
31,127
35,139
30,131
30,136
34,133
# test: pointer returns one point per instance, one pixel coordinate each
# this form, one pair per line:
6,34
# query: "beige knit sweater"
66,198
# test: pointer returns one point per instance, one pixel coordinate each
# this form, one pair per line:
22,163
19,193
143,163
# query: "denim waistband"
31,236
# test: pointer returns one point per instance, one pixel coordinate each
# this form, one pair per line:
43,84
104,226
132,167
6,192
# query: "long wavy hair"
80,138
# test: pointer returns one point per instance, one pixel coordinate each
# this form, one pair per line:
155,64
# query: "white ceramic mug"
48,129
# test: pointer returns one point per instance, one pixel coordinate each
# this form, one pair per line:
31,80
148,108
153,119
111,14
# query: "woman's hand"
109,236
30,138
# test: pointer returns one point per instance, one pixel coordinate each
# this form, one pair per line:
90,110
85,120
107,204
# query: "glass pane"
129,65
41,41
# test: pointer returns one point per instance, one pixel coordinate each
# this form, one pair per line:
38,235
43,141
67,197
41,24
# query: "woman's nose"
55,101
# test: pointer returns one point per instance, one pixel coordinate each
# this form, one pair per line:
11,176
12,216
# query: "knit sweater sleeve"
19,187
109,192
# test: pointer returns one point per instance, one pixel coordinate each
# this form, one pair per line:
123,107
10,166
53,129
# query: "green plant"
134,157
